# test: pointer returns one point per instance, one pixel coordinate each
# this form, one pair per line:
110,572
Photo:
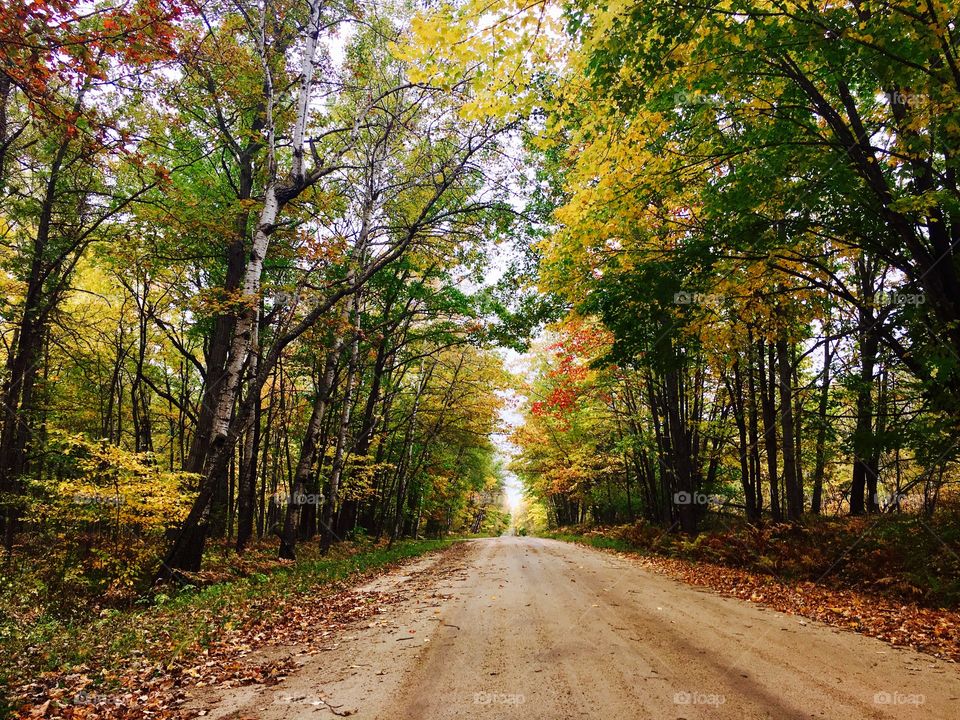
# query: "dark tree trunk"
820,460
308,449
735,390
247,476
864,446
768,406
339,453
794,489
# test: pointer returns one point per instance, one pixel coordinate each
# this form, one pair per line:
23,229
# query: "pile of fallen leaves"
147,690
144,686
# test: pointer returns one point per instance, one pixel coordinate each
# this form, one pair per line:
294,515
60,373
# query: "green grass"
183,621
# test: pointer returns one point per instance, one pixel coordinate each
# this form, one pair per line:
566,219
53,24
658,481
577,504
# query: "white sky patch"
336,44
511,418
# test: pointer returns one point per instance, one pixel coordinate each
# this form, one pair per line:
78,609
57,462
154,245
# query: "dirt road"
531,628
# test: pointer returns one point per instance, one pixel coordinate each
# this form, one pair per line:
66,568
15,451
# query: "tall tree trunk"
753,428
23,360
339,453
873,463
187,550
820,459
863,437
308,452
794,490
769,413
735,389
247,480
406,450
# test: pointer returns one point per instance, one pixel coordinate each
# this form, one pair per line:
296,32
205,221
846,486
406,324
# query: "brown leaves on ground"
906,558
259,650
152,691
933,631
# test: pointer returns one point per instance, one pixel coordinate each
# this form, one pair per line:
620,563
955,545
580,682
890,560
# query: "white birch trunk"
243,330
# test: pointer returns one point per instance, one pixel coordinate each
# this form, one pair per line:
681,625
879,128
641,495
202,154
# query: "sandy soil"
532,628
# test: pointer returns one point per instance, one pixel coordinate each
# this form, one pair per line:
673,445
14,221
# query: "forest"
294,287
238,287
759,259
